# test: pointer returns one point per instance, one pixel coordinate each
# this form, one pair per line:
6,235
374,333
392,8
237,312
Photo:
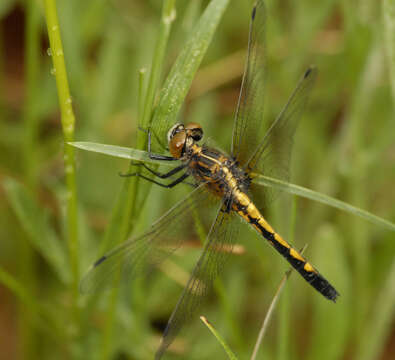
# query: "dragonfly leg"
158,174
157,156
172,184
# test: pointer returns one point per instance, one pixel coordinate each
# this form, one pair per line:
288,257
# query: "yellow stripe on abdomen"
248,211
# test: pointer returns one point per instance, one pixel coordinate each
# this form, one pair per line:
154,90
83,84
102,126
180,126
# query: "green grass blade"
118,151
33,220
330,255
284,312
147,97
138,155
183,71
227,349
68,123
271,308
168,16
41,315
379,327
179,81
322,198
140,94
388,9
124,210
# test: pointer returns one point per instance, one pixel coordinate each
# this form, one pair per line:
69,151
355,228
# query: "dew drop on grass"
169,18
53,71
49,51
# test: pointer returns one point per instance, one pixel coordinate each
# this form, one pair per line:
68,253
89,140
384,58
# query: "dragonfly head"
181,136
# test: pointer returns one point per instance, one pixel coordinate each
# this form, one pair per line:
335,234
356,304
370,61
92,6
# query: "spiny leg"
168,186
156,173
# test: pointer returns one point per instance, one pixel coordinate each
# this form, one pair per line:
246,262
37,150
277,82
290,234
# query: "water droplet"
59,52
69,101
49,51
55,27
170,17
53,71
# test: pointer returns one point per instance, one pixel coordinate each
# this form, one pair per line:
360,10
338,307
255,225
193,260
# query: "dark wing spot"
308,71
98,262
253,13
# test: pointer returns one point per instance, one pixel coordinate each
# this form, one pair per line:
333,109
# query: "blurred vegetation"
51,232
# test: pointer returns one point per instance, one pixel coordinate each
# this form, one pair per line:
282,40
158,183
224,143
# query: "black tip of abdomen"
331,294
324,287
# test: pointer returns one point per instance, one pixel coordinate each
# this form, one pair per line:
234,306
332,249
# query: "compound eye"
177,144
195,131
197,134
176,128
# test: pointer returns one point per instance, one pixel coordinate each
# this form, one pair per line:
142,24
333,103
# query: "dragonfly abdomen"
248,211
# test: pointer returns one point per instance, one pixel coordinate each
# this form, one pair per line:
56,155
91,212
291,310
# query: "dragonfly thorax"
180,137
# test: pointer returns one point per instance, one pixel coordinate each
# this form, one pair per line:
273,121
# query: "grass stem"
269,313
284,320
128,207
68,122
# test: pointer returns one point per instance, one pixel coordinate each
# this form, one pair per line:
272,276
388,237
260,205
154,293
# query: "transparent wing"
164,236
216,251
249,112
272,156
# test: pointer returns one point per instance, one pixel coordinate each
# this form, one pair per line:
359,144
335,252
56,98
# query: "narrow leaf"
33,220
183,71
329,253
322,198
228,351
119,151
270,310
42,315
138,155
379,327
388,8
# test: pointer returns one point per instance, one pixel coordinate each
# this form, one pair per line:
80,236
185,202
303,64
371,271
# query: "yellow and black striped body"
248,211
225,179
221,174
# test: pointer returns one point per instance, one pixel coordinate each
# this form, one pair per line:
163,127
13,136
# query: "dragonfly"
221,182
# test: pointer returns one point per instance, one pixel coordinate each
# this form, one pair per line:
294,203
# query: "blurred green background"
345,148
